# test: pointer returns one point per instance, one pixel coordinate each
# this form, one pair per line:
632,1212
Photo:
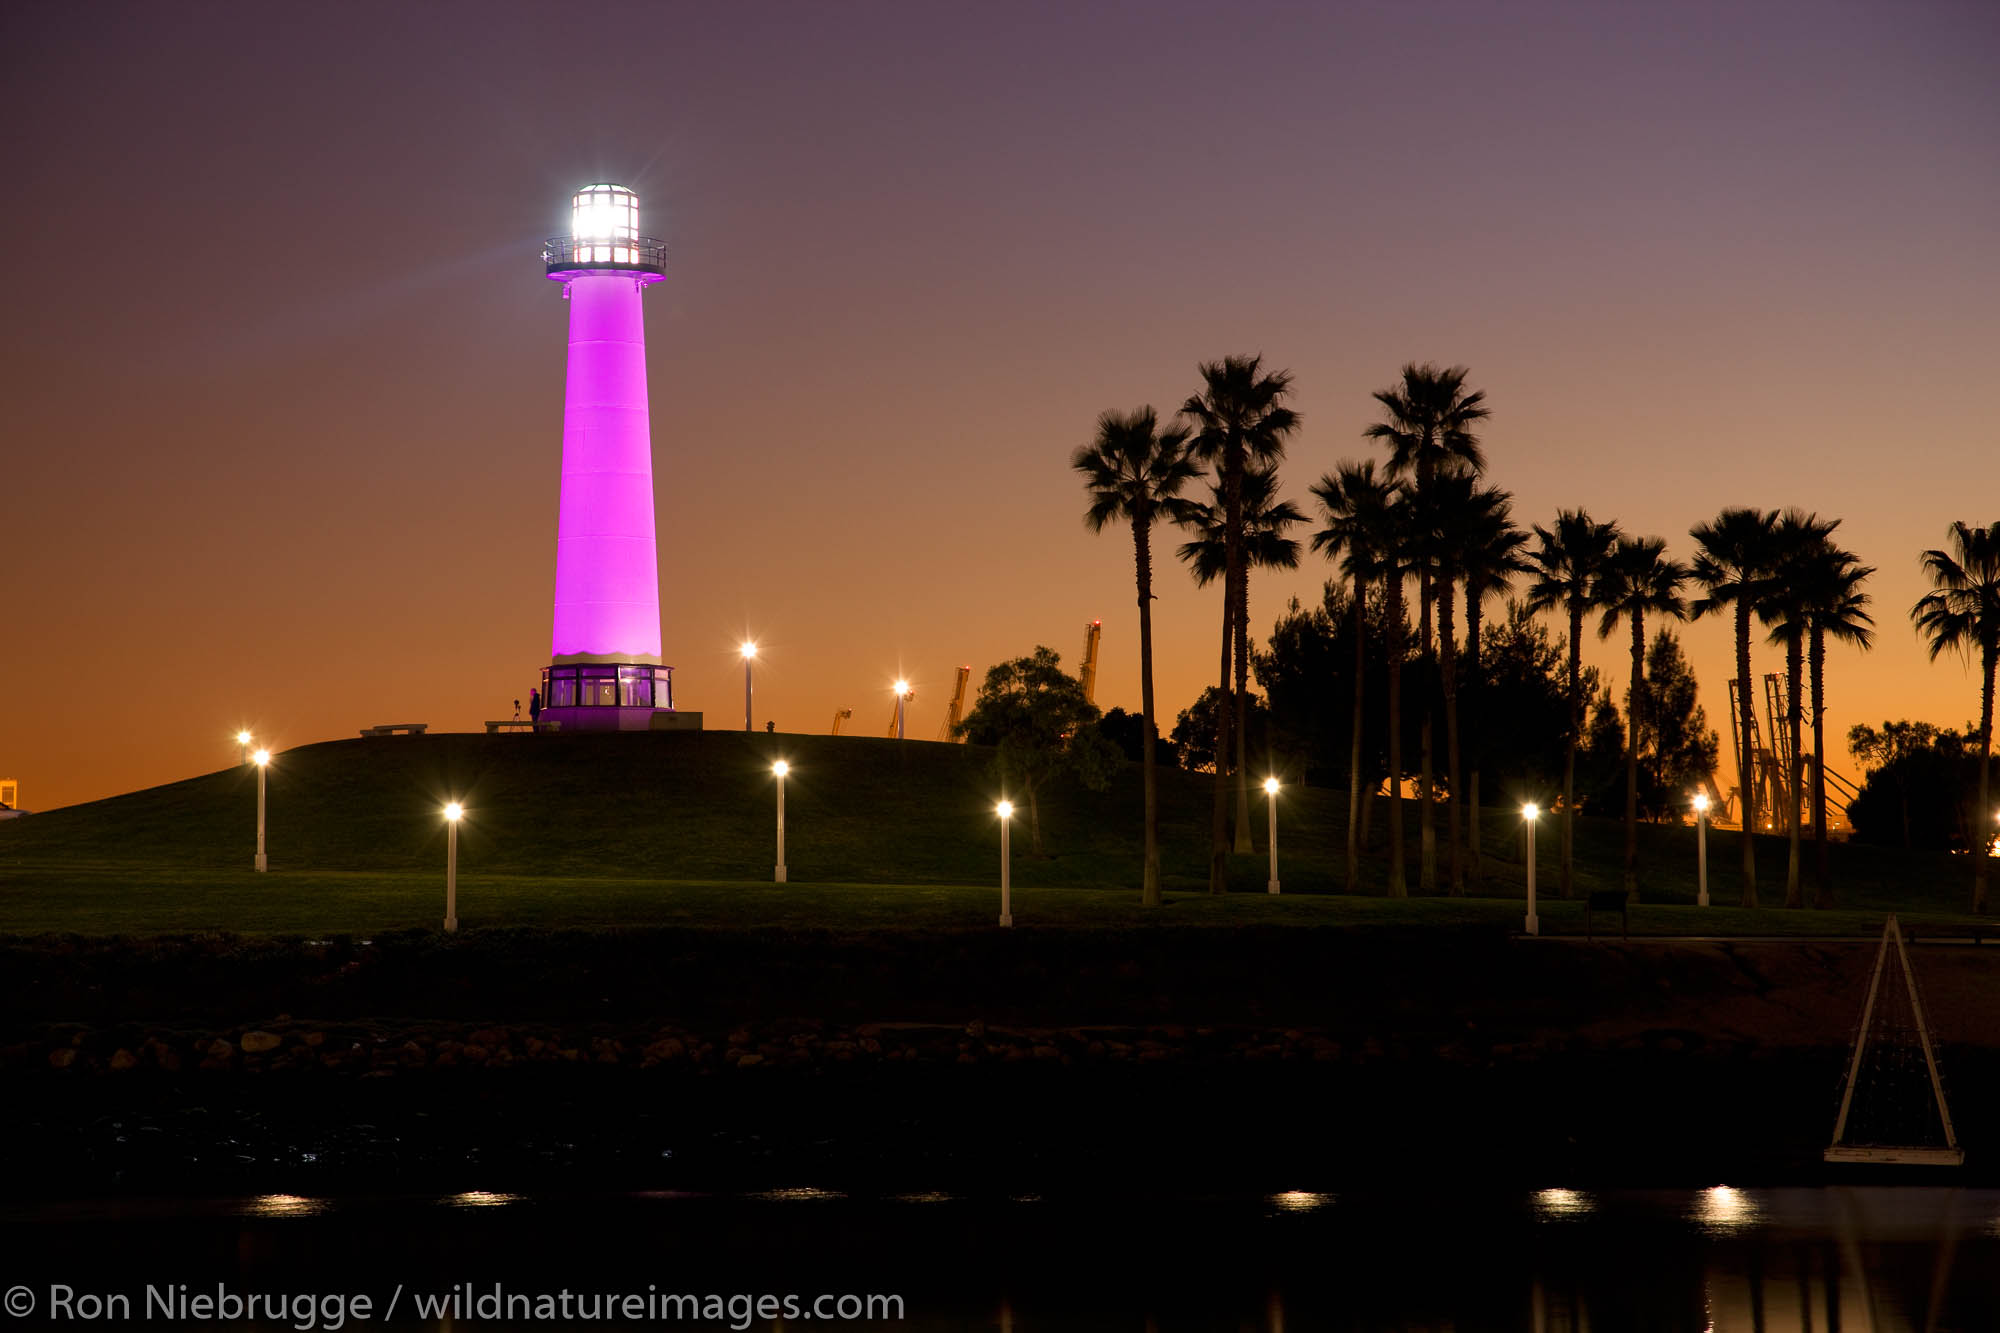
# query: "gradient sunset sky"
281,427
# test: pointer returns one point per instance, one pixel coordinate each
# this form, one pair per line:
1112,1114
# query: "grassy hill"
592,829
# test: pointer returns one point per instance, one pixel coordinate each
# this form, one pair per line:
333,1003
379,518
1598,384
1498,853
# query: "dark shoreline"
1226,1124
1259,1060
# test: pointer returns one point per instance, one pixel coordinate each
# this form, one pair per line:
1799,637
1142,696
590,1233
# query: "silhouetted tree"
1266,520
1455,515
1799,539
1193,736
1638,580
1915,785
1356,508
1835,608
1126,732
1526,706
1567,563
1600,759
1240,418
1736,553
1134,473
1428,431
1677,749
1961,614
1487,564
1035,715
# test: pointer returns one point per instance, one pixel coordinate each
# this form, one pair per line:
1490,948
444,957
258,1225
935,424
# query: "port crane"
1087,675
956,713
840,715
1771,766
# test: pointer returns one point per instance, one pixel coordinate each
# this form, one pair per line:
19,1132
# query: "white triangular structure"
1909,1154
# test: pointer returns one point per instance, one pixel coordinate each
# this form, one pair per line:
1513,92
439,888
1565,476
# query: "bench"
390,729
1608,900
517,724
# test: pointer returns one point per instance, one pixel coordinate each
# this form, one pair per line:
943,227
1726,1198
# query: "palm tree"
1638,580
1455,514
1134,472
1567,565
1487,563
1734,560
1800,538
1265,546
1356,506
1240,419
1429,433
1960,613
1835,607
1394,568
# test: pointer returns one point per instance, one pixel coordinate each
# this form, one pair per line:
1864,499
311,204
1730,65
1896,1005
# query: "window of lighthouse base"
608,685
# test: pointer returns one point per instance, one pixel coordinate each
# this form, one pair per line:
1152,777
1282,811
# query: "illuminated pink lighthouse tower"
605,671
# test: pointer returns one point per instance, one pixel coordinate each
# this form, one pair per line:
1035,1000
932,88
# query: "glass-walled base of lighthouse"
608,696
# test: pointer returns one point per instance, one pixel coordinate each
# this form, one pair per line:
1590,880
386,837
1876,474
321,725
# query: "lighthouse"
605,670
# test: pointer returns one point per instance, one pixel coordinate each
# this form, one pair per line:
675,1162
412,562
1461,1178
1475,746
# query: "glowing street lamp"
1271,791
243,743
749,656
1701,848
902,699
263,761
1528,812
1006,812
453,812
780,769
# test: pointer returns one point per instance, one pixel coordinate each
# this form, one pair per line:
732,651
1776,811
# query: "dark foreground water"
1820,1258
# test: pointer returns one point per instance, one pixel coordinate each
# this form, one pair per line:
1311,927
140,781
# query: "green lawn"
670,828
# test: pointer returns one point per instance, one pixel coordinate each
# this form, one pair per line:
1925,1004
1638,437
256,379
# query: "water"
1819,1258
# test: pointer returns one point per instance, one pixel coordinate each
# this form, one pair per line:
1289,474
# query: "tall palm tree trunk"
1822,875
1242,710
1218,848
1447,655
1398,885
1569,756
1633,705
1746,798
1427,868
1142,556
1354,750
1475,873
1980,860
1232,573
1795,889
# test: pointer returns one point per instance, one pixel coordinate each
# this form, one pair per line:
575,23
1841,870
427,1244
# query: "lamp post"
780,769
1528,812
749,656
902,698
1701,848
263,761
452,812
1006,812
1271,791
243,744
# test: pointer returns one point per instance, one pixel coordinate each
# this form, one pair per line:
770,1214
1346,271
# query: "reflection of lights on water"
927,1196
481,1199
285,1205
1026,1198
1299,1201
1557,1203
1724,1209
801,1194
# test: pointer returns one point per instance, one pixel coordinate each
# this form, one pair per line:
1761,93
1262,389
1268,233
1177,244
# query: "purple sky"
283,382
